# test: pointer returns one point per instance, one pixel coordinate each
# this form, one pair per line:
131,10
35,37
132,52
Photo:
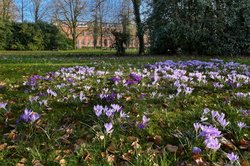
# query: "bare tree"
7,9
39,9
139,25
22,8
68,13
100,12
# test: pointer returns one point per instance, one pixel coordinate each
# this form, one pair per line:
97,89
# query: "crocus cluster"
115,80
166,80
109,111
220,118
211,135
133,79
29,116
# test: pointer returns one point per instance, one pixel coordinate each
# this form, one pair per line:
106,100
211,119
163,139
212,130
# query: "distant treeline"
31,36
211,27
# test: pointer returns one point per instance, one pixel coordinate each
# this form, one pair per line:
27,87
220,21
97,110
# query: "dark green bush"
31,36
5,34
203,27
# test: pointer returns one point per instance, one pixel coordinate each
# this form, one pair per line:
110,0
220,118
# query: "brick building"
86,35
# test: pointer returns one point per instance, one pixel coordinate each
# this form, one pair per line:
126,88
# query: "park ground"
70,133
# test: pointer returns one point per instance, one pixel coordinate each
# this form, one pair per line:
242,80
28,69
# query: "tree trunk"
139,26
74,38
22,8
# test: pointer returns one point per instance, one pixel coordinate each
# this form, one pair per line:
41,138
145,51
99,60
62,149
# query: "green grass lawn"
68,130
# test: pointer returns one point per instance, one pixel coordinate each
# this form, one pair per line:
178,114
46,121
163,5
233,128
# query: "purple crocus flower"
51,92
144,122
116,80
108,97
135,77
118,96
223,122
232,157
221,119
188,90
43,102
123,115
212,143
245,112
116,107
82,96
110,112
130,82
34,116
197,126
3,105
142,96
214,114
98,110
34,99
108,127
241,125
70,80
206,111
29,116
209,131
26,115
196,150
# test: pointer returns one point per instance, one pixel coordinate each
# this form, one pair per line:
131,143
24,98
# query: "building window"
82,33
106,43
88,33
83,43
77,43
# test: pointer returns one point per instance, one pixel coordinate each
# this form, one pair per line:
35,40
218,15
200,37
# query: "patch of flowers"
127,97
214,138
29,116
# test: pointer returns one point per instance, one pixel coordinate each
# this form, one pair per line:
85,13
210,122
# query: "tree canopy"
202,26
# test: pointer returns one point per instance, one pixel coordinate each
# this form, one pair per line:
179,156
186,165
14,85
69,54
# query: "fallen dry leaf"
12,135
86,156
3,146
199,159
20,164
110,159
135,145
11,147
103,154
245,163
132,138
126,157
23,160
156,139
111,148
128,98
244,144
62,162
36,163
228,143
172,148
